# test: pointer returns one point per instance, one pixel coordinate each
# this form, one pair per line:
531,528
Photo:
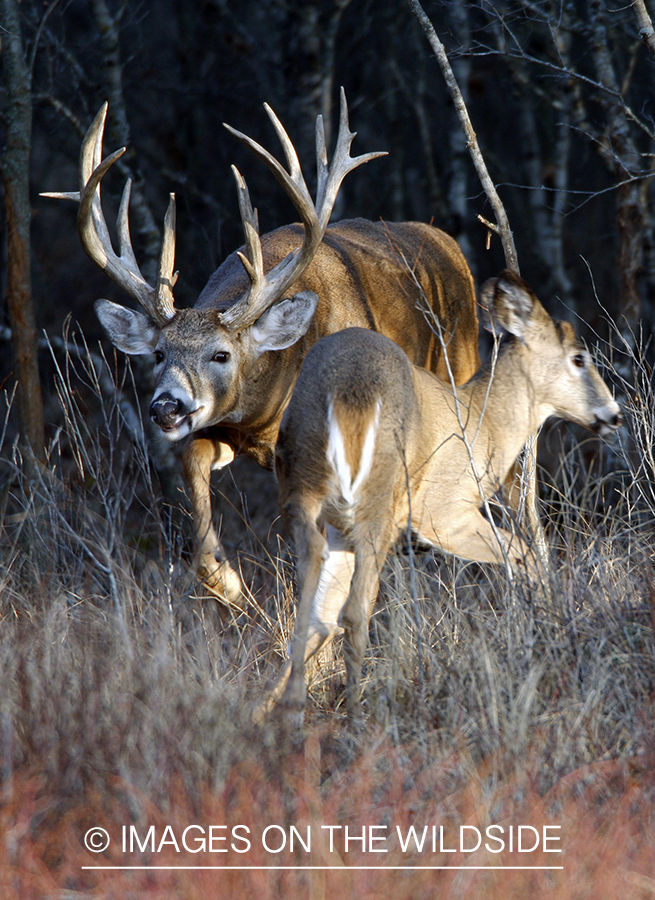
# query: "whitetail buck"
371,445
225,369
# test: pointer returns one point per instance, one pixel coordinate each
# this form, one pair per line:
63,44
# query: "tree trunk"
14,168
623,158
118,131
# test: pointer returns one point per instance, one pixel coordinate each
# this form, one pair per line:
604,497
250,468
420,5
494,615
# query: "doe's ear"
508,304
285,323
129,330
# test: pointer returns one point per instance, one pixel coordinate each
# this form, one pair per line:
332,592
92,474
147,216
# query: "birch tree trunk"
118,132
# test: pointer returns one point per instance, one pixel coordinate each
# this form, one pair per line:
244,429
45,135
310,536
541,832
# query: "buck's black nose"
166,411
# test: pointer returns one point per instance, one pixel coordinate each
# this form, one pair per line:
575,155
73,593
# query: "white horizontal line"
315,868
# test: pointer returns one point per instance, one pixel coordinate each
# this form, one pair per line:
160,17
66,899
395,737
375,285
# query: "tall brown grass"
125,695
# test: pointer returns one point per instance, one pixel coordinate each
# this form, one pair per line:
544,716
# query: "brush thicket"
127,694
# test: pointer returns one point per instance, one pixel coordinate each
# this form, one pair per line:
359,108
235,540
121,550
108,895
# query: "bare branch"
42,24
504,230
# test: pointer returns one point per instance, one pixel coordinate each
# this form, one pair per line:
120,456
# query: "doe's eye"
221,357
579,361
159,356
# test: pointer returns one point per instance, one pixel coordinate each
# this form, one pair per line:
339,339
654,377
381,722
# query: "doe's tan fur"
371,443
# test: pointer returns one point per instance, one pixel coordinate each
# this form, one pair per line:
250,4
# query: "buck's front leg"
201,455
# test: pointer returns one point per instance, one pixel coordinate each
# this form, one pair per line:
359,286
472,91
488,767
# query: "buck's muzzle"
167,411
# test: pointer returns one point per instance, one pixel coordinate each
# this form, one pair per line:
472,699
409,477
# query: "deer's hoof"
223,583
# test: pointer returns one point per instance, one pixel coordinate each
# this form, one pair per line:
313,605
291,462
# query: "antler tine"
123,221
92,169
253,261
90,218
295,170
94,233
292,181
166,276
331,177
162,298
322,168
264,290
91,153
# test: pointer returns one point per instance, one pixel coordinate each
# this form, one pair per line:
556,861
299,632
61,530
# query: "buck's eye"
579,361
221,357
159,356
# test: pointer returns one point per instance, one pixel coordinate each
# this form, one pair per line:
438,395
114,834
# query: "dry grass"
126,697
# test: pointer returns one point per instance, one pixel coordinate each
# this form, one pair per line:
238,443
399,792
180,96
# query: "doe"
371,444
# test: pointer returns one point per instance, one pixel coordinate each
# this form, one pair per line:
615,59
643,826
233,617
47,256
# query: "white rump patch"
336,454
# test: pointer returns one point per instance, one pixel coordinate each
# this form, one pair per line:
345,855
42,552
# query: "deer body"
371,445
225,370
360,277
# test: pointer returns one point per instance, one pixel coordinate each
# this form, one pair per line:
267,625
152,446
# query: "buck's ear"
285,323
127,329
507,304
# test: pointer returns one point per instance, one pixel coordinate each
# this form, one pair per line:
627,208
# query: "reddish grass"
605,811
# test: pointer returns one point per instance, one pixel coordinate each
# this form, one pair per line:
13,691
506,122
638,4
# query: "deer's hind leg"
371,551
330,596
311,551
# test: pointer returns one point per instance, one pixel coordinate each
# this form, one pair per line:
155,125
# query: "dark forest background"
560,94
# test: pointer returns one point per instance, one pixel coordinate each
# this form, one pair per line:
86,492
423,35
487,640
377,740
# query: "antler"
265,289
123,268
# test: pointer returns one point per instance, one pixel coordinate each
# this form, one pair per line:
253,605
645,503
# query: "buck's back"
366,274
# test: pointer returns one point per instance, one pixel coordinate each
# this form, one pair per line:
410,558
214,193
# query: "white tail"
370,444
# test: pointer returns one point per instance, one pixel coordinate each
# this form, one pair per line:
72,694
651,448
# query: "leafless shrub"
119,682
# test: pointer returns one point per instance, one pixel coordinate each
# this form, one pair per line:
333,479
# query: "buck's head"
563,378
204,357
201,364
